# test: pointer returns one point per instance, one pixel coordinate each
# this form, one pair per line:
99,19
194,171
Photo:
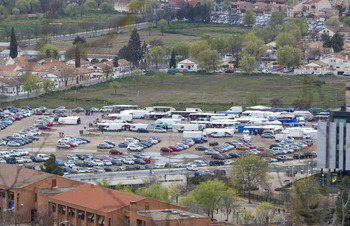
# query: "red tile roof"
17,177
97,198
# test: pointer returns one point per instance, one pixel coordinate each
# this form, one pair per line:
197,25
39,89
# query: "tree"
247,63
103,183
343,202
13,44
79,41
162,25
228,201
275,23
285,38
263,33
249,17
90,5
115,85
49,50
248,172
305,195
172,63
154,191
209,59
16,12
149,28
50,166
161,75
346,21
337,42
326,41
157,54
72,9
107,70
234,45
31,83
116,61
264,213
23,6
289,56
126,188
208,194
70,52
106,7
198,46
77,56
332,22
48,85
134,47
174,192
182,50
256,49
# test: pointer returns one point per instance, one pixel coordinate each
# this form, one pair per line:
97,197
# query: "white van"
45,157
107,109
192,167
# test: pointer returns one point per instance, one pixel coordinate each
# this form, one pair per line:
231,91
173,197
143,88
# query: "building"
190,64
24,192
93,205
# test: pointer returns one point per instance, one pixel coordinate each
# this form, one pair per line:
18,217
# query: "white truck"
169,121
195,135
70,120
135,127
281,136
187,127
126,117
135,113
113,126
220,132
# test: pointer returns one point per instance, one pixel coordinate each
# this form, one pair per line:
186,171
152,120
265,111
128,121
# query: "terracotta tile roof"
103,64
322,64
11,67
18,177
339,29
123,62
97,198
9,73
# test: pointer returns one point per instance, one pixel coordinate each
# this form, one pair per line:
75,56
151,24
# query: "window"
35,197
53,207
146,205
10,195
17,197
71,212
2,193
81,214
54,183
101,220
90,217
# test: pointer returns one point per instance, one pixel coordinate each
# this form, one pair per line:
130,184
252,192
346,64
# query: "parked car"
159,130
104,146
201,148
142,130
115,152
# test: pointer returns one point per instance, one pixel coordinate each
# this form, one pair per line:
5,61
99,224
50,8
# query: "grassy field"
210,92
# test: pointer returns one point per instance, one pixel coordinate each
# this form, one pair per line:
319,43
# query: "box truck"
195,135
187,127
70,120
113,126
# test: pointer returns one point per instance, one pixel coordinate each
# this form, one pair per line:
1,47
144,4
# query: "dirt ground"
48,140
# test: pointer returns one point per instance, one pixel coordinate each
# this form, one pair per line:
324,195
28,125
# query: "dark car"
310,155
43,127
274,145
201,148
216,163
199,173
213,143
36,159
78,109
217,156
110,169
140,161
220,172
142,130
123,145
127,167
139,167
116,162
198,141
234,155
29,167
298,156
165,149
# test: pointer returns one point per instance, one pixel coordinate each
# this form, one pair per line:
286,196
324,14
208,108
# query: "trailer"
195,135
126,117
187,127
136,127
113,126
220,132
140,114
169,121
70,120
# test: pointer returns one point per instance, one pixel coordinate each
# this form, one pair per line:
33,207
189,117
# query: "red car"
146,160
115,152
43,127
229,71
173,148
38,113
165,149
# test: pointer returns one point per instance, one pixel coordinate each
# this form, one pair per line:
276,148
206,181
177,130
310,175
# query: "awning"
101,220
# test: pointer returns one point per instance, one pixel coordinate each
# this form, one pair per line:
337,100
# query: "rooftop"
169,214
97,198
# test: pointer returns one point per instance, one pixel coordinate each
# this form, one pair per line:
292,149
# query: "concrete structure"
93,205
333,145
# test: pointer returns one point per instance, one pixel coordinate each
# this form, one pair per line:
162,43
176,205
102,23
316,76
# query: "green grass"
191,29
216,92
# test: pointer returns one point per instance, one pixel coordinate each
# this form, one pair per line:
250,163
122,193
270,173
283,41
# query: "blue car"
123,145
59,162
19,142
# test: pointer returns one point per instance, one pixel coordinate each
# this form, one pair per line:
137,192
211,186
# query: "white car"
159,130
19,160
228,162
13,144
97,162
134,147
128,161
27,159
107,163
192,167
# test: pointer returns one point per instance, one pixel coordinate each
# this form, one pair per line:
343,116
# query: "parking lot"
197,154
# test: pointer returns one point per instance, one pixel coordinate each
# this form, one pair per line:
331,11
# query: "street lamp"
292,175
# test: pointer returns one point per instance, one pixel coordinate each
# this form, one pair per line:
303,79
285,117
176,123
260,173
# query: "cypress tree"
134,47
115,61
172,63
13,44
77,56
